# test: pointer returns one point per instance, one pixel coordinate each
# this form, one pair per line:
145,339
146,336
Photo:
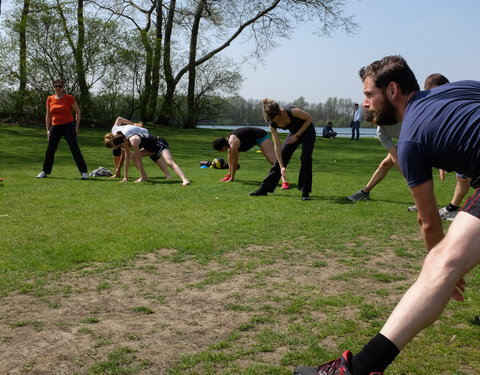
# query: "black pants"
355,130
307,140
56,133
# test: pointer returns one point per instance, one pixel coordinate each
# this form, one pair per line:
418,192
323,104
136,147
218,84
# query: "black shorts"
156,147
472,205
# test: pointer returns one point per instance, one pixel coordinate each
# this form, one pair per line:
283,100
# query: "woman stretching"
302,132
59,123
146,145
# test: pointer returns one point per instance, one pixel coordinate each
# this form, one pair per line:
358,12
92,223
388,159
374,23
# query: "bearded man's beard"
384,116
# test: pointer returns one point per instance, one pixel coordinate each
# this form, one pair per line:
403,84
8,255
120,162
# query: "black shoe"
306,197
258,193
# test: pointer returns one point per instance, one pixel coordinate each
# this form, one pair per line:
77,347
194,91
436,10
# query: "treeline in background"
157,61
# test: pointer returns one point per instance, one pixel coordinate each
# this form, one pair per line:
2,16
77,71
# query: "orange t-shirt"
60,109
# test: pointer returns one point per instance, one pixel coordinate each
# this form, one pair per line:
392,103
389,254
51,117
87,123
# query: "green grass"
51,226
61,223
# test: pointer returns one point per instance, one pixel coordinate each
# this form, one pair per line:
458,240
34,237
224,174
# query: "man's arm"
428,217
393,153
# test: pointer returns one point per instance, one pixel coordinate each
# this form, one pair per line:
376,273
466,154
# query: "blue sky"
434,36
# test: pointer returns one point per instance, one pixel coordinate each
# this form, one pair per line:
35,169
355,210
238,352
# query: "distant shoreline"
341,132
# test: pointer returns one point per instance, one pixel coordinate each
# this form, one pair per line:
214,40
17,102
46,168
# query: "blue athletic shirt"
441,129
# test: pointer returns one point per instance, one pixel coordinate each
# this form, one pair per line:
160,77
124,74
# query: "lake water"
341,132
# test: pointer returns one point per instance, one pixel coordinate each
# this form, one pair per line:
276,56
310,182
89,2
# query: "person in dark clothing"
302,132
328,131
242,140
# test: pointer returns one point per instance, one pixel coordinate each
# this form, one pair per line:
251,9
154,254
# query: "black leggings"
307,140
56,133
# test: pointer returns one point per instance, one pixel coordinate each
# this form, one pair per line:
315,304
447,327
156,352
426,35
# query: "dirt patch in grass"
145,315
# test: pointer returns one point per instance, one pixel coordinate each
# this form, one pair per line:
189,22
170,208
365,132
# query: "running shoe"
340,366
359,196
306,197
412,208
84,176
447,215
226,178
285,185
42,174
258,193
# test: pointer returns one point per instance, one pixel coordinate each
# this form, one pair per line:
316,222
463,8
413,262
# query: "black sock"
375,356
451,208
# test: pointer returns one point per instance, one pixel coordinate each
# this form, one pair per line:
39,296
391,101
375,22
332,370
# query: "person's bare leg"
382,170
163,166
461,189
269,153
167,156
444,267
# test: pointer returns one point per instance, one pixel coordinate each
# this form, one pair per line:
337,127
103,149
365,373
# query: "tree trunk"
22,31
166,112
191,120
145,95
85,98
156,58
85,101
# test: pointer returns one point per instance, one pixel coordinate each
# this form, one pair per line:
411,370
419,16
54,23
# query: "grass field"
103,277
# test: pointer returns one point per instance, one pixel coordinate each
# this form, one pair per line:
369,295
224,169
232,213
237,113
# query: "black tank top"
248,136
295,122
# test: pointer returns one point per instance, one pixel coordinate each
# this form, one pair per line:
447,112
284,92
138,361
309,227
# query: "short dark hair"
219,143
118,139
434,80
57,82
391,69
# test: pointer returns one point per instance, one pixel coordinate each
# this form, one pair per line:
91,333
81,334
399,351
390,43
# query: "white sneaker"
42,174
447,215
84,176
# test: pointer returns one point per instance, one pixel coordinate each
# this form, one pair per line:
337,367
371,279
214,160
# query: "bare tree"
260,21
77,50
146,16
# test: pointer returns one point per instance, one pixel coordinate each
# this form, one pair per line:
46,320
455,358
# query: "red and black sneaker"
340,366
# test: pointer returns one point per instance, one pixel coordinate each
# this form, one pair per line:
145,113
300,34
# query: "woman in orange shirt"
59,123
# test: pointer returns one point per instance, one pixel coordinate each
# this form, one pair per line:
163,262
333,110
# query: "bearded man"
440,129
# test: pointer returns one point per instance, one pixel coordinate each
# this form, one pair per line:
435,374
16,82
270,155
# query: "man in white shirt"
357,118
